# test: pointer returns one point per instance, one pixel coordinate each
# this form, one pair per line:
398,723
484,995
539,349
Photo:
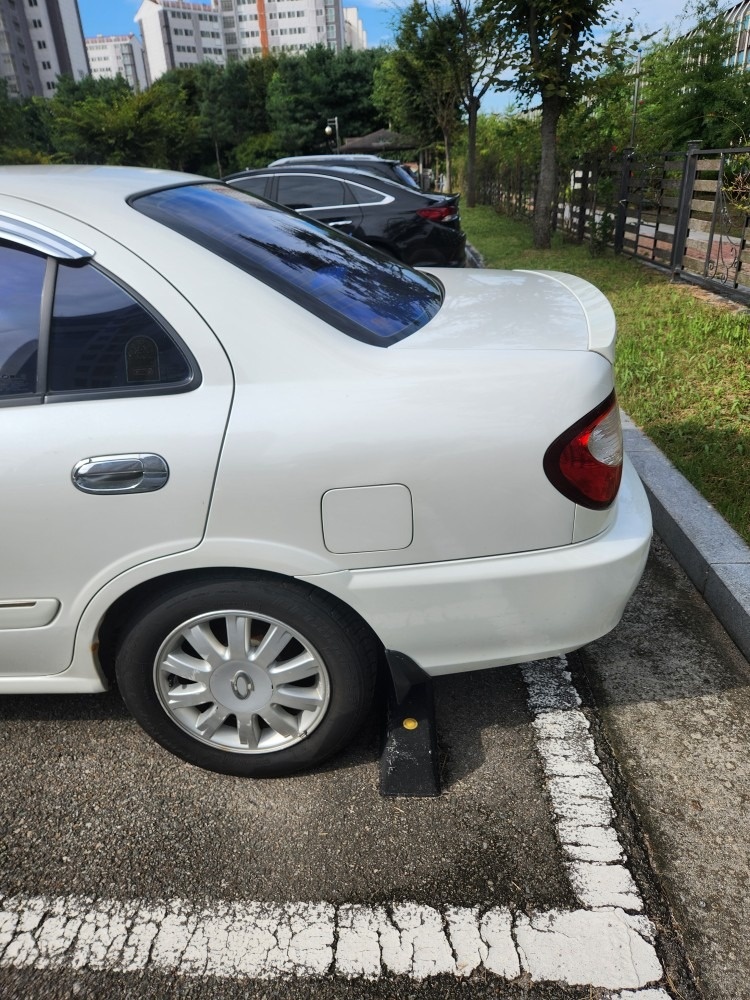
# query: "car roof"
341,157
352,173
85,189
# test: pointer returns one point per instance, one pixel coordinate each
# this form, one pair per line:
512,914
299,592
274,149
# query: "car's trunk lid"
518,310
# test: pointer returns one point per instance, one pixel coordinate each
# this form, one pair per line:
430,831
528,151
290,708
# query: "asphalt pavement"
672,689
592,839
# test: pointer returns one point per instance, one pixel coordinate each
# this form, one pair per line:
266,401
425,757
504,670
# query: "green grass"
683,364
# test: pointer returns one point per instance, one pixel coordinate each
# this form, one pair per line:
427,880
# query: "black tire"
187,628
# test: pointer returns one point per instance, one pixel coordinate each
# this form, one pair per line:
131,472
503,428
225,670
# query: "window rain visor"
362,292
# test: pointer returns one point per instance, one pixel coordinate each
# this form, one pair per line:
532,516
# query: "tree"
556,54
177,97
415,85
691,87
474,53
105,122
89,120
507,145
11,117
307,90
601,123
479,56
14,137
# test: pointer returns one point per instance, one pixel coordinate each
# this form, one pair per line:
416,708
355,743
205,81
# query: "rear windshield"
407,177
360,291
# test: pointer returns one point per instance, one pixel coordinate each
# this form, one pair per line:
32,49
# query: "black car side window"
253,185
366,195
21,280
103,338
310,191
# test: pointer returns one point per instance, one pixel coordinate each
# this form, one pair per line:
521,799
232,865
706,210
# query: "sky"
116,17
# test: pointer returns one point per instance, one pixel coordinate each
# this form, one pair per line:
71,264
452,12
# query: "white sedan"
249,462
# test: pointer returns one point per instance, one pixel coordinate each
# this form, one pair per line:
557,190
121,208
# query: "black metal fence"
686,211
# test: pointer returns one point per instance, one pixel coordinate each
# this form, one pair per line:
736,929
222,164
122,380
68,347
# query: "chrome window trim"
42,239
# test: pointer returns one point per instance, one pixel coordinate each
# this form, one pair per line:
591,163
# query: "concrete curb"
712,554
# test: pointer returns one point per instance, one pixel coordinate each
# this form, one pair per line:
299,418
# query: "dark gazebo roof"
379,142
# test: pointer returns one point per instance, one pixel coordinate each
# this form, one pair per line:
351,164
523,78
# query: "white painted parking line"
581,797
608,943
605,948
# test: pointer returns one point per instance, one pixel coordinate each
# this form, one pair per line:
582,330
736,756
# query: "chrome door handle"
120,474
343,222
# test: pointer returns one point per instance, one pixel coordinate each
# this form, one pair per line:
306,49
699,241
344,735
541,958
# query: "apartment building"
355,36
39,41
118,55
177,33
739,18
183,33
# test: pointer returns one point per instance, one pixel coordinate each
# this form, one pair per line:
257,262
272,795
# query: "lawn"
683,363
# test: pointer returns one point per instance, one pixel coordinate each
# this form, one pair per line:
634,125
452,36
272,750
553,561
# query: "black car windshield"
407,177
360,291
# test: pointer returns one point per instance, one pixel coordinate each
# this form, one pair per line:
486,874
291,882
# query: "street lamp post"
332,129
636,98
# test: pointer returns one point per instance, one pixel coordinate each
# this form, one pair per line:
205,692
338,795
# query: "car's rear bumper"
469,614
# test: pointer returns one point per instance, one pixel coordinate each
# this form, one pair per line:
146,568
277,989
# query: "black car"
392,170
418,228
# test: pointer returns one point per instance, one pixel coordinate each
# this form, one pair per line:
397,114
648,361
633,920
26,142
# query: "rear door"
114,399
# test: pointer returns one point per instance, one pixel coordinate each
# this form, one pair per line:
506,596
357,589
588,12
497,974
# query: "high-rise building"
40,40
355,36
182,33
178,33
118,55
739,18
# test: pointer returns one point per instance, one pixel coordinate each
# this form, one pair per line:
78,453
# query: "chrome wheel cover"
241,682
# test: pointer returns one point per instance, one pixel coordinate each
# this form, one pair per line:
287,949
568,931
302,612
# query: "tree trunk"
471,153
448,187
546,192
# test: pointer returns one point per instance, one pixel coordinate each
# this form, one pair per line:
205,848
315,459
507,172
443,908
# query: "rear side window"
101,338
69,328
21,280
368,196
253,185
301,191
358,290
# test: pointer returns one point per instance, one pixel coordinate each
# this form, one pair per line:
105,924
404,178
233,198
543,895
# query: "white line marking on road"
604,948
608,943
581,797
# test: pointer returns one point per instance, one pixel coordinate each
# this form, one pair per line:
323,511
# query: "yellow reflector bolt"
410,724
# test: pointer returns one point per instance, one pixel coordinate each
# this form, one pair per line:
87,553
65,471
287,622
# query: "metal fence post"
622,199
683,206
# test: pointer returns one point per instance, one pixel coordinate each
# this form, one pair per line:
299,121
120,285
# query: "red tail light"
585,462
439,213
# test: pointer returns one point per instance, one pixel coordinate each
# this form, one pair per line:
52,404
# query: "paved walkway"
672,686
